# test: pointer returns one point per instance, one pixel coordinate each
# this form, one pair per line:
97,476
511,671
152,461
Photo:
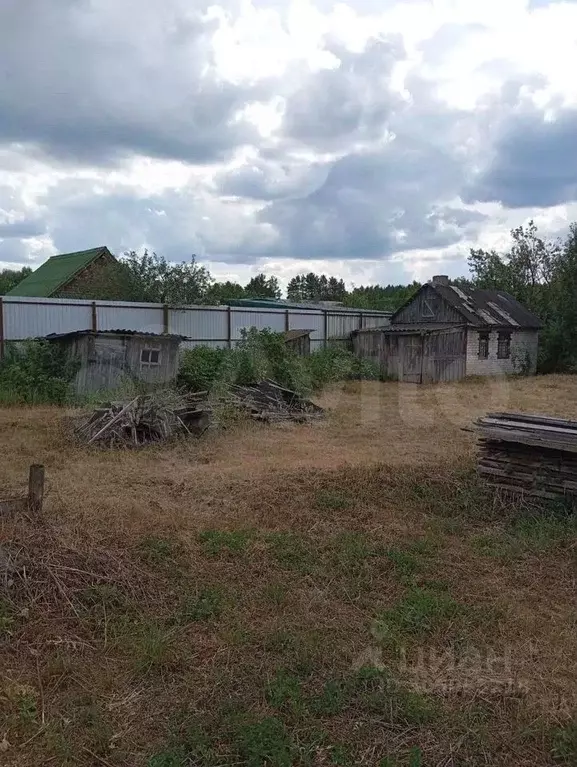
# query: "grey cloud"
533,161
92,82
347,104
22,229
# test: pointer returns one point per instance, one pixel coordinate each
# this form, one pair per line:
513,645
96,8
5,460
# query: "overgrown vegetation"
264,354
35,372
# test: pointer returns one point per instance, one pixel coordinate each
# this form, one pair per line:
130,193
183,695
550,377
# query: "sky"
373,140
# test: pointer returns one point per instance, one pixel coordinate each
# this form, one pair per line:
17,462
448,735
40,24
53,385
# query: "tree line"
540,273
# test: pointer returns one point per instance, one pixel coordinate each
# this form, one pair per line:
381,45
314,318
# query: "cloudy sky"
376,140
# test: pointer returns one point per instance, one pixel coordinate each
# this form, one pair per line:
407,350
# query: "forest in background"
540,273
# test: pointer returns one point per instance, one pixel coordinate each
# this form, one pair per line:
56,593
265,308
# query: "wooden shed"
424,354
108,358
299,341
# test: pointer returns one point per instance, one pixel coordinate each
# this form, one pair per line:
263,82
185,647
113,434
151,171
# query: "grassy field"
338,594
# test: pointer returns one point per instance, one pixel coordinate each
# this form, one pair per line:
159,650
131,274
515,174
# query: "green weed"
291,551
276,593
420,613
265,742
564,748
150,647
204,605
284,692
217,542
157,551
332,500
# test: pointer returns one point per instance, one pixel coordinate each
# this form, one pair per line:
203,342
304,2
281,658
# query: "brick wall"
523,343
98,279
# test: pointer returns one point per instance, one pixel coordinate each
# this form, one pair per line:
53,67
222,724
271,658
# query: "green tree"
150,277
9,278
221,292
316,287
262,286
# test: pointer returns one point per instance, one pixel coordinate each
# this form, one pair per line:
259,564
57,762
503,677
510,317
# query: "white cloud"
233,129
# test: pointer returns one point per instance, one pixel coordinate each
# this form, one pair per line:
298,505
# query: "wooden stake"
36,488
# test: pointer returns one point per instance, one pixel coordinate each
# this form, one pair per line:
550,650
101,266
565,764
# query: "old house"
445,332
107,359
83,274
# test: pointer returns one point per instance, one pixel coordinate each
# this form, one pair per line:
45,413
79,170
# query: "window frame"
504,339
149,351
483,347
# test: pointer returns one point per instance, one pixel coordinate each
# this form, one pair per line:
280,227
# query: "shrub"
36,372
263,354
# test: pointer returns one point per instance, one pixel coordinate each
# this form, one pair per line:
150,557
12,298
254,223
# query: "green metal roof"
56,273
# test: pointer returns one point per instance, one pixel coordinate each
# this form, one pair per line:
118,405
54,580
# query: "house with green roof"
83,274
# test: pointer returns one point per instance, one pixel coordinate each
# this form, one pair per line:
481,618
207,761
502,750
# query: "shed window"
504,346
483,346
149,358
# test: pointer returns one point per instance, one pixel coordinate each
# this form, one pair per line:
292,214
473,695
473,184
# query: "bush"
264,354
36,372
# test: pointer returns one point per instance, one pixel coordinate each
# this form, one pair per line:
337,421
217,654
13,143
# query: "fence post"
229,326
287,322
165,322
1,328
36,488
94,317
326,329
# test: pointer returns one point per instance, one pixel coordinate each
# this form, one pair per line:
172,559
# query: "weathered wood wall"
106,361
428,306
416,357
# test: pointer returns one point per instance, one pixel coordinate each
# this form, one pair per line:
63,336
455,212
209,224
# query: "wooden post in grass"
36,488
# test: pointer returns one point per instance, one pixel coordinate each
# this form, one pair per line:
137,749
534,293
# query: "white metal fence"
22,318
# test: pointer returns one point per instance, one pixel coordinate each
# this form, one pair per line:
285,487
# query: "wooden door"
411,358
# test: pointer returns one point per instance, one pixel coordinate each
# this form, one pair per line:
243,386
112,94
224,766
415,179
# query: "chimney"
440,279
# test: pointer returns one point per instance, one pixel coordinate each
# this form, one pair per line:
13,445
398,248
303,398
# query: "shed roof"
56,272
411,327
292,335
333,307
483,308
115,332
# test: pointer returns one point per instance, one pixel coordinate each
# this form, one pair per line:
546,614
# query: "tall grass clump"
263,354
36,372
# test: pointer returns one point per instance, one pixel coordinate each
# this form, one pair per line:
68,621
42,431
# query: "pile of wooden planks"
148,418
267,401
531,454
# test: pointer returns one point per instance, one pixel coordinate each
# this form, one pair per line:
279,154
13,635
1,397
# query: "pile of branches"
148,418
536,455
267,401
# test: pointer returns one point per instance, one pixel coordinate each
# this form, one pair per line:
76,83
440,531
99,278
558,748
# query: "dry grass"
209,603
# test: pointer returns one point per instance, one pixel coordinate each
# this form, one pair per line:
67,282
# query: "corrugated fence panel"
33,317
340,325
148,319
372,321
314,321
275,320
200,324
32,320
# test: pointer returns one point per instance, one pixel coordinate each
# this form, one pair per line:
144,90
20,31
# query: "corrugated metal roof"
115,332
488,307
328,306
56,272
414,327
292,335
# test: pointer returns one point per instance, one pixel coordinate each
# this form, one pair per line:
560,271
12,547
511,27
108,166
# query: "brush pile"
162,415
148,418
536,455
269,402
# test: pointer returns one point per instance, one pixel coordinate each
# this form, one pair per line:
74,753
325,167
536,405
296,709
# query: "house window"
427,309
483,346
504,346
149,358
